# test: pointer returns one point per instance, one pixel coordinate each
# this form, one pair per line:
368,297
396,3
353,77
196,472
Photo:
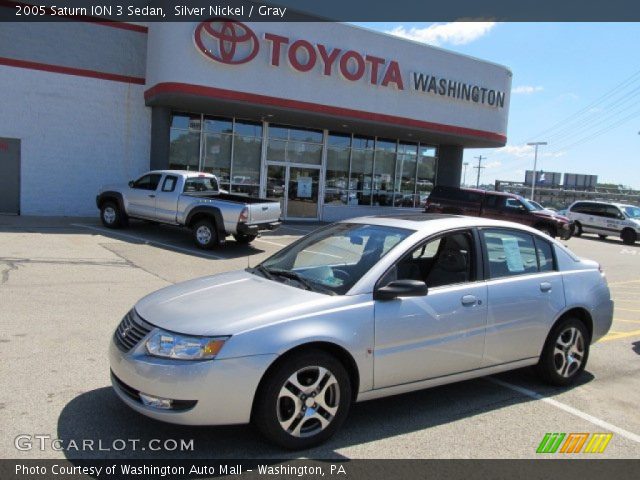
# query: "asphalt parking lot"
66,283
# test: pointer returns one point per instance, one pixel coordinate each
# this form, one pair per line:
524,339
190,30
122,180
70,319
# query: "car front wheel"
565,352
111,215
303,401
628,237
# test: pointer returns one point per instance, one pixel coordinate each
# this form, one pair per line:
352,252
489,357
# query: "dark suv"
497,205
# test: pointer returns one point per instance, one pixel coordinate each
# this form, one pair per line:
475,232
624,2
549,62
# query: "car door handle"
152,196
545,287
469,300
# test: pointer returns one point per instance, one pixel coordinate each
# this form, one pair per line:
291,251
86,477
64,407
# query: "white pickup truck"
190,199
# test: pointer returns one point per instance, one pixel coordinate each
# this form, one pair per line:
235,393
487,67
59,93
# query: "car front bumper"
208,392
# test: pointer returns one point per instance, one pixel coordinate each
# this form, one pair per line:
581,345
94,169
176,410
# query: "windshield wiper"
264,271
300,279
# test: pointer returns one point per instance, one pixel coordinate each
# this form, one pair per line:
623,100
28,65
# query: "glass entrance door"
302,192
296,188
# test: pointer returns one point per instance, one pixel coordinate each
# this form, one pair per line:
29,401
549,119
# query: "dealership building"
333,120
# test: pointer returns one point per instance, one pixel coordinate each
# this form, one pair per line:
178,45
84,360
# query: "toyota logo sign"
226,41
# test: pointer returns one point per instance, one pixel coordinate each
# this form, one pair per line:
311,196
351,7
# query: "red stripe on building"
222,94
79,72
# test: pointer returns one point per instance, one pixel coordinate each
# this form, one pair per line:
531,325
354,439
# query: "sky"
561,71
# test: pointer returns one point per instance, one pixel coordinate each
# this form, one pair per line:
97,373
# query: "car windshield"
331,260
200,185
631,211
531,206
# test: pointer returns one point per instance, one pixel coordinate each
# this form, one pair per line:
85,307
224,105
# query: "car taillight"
244,215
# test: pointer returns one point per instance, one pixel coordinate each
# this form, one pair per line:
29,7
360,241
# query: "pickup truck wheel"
205,235
243,238
110,215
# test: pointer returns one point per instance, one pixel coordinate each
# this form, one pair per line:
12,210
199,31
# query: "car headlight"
183,347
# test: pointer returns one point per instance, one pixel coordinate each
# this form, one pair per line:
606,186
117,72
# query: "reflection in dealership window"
294,145
337,176
405,183
184,138
426,175
384,172
247,149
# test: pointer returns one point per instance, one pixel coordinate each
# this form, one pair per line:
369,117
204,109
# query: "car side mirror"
401,288
131,183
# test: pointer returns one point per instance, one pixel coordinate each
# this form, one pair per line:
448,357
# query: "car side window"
147,182
446,260
514,204
169,184
509,252
544,250
612,212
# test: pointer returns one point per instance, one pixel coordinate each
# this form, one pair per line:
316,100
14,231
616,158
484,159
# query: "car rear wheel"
205,235
111,215
243,238
565,352
303,401
628,237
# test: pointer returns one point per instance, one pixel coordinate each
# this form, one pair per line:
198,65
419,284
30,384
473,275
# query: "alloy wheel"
109,215
203,234
308,401
569,351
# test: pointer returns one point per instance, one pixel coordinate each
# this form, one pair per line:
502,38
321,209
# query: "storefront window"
217,156
405,183
184,137
247,150
360,185
426,178
337,176
384,171
294,145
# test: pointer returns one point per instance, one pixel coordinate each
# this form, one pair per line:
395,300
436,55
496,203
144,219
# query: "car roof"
434,222
478,190
603,202
185,173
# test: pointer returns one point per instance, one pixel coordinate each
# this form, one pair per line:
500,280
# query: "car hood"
551,215
228,303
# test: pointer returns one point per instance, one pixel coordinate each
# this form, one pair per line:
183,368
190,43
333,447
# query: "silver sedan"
357,310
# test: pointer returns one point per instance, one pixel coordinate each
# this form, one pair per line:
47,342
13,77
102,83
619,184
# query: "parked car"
189,199
291,343
499,206
606,219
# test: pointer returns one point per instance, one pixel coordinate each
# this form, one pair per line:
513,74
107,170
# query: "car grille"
131,330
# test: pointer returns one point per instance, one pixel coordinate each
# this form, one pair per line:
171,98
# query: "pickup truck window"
169,184
200,185
147,182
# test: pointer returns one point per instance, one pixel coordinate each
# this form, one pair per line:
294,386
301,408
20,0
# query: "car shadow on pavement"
612,240
636,347
101,417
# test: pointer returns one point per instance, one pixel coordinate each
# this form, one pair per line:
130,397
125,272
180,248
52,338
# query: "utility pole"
464,175
535,166
479,167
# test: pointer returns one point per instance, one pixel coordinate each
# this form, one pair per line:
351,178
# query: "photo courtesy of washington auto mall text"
343,239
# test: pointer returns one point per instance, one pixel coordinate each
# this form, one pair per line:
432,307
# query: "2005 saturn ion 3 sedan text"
357,310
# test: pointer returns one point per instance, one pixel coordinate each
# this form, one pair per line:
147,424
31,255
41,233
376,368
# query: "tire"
578,230
205,235
111,216
547,229
244,239
628,237
281,404
602,237
565,352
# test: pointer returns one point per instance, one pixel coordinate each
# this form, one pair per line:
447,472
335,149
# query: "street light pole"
464,175
535,166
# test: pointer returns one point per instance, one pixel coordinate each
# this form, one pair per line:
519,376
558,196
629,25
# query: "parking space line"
271,243
624,283
616,335
628,309
296,229
149,242
573,411
625,321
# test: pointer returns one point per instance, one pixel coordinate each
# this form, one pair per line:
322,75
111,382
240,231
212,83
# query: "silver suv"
606,219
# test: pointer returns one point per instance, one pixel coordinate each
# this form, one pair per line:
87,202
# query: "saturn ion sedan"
357,310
